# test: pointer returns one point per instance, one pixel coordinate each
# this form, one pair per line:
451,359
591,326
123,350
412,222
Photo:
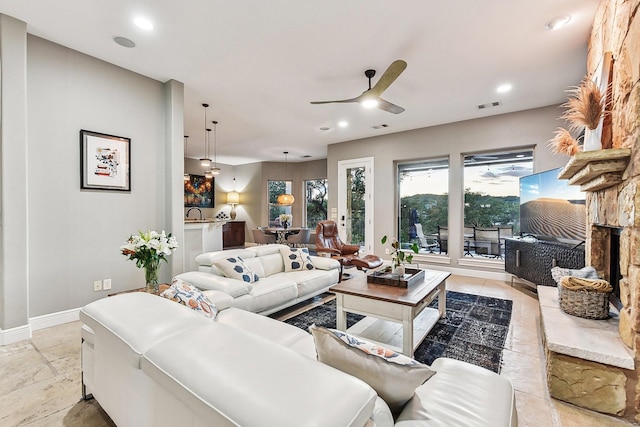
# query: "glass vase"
285,225
151,276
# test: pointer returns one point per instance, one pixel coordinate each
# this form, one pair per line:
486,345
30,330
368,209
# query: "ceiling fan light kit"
370,98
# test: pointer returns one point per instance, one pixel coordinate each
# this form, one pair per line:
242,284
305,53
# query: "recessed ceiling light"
343,124
558,22
143,23
124,42
520,156
504,88
325,128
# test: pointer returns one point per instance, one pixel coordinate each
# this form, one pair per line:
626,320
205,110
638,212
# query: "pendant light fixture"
186,175
215,170
285,199
205,161
209,172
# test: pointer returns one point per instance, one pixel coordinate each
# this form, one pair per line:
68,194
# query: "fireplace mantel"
596,170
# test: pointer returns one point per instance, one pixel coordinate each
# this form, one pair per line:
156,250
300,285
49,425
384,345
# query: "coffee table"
401,305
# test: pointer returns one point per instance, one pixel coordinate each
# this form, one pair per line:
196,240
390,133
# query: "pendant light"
186,175
209,172
205,161
285,199
215,170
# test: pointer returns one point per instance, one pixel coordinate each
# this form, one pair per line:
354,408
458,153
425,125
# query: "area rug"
474,329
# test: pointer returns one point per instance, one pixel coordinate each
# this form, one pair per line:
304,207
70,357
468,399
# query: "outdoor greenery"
276,188
316,201
356,205
480,210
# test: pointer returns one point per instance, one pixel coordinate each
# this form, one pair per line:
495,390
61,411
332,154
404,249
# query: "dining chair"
262,238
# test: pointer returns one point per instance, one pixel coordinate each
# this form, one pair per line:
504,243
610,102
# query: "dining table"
281,232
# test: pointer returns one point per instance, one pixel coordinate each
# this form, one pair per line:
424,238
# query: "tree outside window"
316,201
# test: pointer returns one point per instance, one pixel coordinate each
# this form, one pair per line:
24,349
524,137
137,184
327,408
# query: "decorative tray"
411,276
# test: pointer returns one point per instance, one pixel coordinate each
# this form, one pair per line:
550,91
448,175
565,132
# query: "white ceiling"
259,63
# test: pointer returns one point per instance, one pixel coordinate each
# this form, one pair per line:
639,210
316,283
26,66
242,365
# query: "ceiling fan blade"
356,99
389,76
387,106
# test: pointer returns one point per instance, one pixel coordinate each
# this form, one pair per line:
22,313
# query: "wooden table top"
412,295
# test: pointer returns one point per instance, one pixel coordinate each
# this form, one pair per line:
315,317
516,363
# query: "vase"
151,276
285,225
399,270
592,140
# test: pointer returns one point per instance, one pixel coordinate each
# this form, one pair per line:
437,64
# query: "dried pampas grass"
585,107
563,143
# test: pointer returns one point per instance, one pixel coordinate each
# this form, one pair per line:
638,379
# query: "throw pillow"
235,268
392,375
190,296
296,259
584,273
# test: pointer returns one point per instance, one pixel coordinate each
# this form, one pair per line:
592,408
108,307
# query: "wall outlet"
386,251
97,285
106,284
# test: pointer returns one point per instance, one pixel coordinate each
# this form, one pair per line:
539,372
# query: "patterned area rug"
474,329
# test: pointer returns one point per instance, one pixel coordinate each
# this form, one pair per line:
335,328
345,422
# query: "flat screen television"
551,209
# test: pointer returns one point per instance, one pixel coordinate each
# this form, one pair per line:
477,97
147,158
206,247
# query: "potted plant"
399,257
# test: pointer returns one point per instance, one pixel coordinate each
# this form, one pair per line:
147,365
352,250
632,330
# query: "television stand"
533,260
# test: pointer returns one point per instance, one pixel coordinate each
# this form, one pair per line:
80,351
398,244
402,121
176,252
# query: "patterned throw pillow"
235,268
584,273
392,375
296,259
190,296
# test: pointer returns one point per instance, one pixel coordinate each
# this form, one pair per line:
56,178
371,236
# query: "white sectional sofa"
275,288
152,362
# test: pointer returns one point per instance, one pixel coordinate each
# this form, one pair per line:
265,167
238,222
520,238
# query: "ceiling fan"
371,97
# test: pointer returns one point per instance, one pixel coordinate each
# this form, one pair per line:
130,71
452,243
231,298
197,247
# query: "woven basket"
584,303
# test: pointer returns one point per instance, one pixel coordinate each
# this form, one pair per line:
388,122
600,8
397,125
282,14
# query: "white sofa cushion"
392,375
324,263
461,394
209,258
296,259
205,281
271,329
267,293
255,382
310,282
235,268
272,264
190,296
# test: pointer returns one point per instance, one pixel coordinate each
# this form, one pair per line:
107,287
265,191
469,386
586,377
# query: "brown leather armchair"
328,241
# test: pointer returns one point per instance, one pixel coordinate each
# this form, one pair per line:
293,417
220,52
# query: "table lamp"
233,198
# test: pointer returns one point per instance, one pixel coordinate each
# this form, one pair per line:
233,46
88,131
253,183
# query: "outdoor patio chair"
428,243
443,239
487,242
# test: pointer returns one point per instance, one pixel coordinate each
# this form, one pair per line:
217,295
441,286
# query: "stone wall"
616,29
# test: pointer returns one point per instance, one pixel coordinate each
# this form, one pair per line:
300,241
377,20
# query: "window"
491,197
274,189
423,188
315,201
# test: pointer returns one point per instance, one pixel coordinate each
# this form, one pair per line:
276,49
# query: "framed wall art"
198,192
104,161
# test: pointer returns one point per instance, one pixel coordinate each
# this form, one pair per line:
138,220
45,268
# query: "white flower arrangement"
285,218
149,248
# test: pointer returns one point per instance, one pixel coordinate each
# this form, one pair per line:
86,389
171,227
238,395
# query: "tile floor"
40,378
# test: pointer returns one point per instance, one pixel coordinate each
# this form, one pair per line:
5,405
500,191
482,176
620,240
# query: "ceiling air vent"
380,126
489,105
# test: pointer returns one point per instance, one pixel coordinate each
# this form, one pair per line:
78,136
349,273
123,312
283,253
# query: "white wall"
527,128
74,235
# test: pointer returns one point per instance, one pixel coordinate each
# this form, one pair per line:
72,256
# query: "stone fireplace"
616,209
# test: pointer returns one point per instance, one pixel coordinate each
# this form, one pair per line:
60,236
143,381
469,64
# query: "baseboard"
54,319
10,336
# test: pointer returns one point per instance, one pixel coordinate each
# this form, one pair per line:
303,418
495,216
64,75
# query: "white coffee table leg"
341,316
442,299
407,331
